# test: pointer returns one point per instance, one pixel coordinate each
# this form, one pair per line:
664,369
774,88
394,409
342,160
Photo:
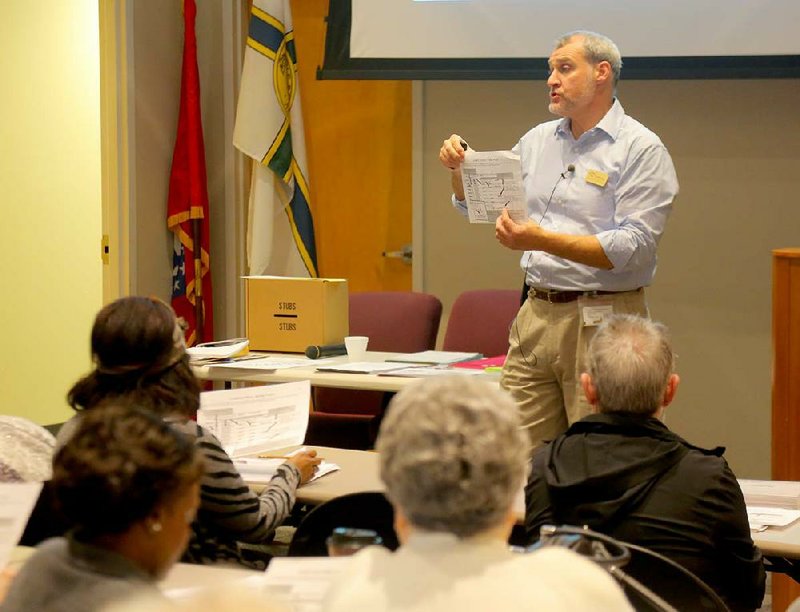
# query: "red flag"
187,212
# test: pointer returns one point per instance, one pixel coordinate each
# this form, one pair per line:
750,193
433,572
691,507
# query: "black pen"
464,145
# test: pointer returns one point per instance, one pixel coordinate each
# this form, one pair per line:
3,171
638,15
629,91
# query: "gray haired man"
622,472
599,187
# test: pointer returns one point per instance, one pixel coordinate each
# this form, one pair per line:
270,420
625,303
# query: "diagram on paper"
493,183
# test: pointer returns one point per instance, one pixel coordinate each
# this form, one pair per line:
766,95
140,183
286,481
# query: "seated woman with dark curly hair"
130,486
139,354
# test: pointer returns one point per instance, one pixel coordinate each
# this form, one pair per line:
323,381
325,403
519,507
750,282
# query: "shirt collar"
421,540
102,561
611,123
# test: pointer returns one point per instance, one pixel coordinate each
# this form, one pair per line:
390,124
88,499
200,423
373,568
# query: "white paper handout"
260,470
16,503
761,517
257,419
493,182
267,364
302,582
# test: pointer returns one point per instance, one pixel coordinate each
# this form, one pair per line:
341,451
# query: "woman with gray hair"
453,458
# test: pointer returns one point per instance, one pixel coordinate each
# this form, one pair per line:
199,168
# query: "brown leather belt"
562,297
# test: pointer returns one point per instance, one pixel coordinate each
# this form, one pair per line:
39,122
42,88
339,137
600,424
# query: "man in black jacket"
620,471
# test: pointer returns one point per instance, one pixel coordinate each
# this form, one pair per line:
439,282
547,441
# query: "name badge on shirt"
595,315
596,177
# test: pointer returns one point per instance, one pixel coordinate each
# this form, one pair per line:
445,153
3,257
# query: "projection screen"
440,39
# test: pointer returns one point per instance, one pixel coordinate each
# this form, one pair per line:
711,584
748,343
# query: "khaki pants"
546,358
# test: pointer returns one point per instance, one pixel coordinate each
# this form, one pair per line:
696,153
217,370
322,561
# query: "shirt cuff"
616,249
459,205
292,473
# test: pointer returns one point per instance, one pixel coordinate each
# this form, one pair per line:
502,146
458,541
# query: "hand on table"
306,462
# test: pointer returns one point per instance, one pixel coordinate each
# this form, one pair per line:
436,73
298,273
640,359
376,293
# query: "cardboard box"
288,314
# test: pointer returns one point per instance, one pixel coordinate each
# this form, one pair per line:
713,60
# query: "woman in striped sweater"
139,354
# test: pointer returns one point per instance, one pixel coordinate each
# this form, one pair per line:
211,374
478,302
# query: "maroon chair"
480,321
394,321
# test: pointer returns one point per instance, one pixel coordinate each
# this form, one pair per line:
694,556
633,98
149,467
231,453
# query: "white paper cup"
356,347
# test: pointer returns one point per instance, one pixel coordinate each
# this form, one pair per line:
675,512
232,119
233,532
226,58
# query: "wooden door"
785,389
358,138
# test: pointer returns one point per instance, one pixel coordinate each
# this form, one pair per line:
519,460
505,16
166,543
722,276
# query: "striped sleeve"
228,507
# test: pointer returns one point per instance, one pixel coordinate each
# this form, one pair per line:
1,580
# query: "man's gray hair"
630,360
452,454
597,48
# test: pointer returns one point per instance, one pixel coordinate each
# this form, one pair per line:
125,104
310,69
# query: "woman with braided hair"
139,354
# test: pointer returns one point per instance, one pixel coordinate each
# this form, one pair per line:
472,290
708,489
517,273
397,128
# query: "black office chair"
651,581
45,520
367,510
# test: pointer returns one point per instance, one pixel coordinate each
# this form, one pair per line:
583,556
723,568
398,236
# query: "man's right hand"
452,153
452,156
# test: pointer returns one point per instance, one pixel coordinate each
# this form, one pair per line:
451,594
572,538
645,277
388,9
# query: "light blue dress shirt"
627,214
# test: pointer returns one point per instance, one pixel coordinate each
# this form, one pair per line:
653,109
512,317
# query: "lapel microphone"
569,170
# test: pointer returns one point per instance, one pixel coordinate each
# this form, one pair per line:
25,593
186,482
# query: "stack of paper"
264,363
427,372
434,357
360,367
775,493
221,349
762,517
488,364
771,503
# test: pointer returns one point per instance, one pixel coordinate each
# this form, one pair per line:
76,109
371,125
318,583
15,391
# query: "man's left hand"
517,236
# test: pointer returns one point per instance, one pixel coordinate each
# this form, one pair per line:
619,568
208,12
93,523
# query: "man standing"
623,473
599,187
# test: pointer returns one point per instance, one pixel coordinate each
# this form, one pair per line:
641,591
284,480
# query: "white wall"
50,197
736,148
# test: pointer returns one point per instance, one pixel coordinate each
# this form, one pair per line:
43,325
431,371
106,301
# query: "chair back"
651,581
394,321
480,321
365,510
674,584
